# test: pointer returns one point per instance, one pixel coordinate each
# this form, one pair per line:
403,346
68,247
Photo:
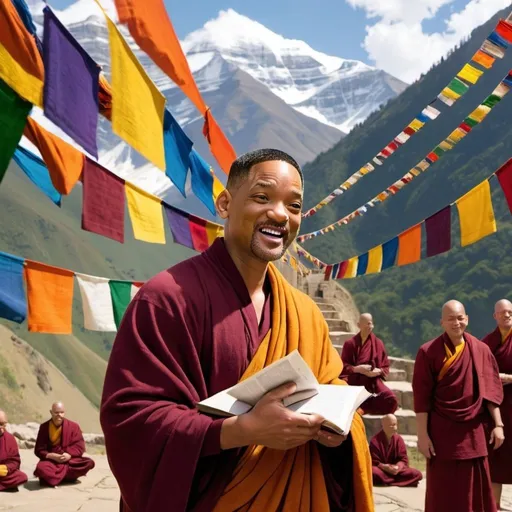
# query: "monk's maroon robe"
72,442
500,460
371,352
190,332
458,476
10,457
392,451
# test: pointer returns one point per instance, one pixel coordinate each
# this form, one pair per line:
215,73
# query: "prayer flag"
64,162
484,59
13,116
37,172
491,101
415,124
501,90
21,65
446,99
103,202
504,175
203,233
479,113
13,304
122,293
495,38
389,252
137,105
218,187
71,84
146,215
508,80
25,16
50,298
105,97
362,264
492,49
445,145
328,272
476,214
96,303
438,228
352,265
457,86
431,112
470,122
504,30
180,226
374,260
470,74
342,270
177,152
202,180
456,136
409,246
219,144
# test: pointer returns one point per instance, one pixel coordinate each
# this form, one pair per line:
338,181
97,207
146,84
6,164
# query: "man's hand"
426,447
497,437
329,439
363,369
390,469
505,378
53,456
65,457
376,372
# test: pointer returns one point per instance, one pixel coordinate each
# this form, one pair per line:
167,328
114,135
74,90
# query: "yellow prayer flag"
445,145
457,135
137,104
374,260
480,113
476,214
452,95
218,187
416,124
415,172
470,74
351,267
146,215
364,170
213,231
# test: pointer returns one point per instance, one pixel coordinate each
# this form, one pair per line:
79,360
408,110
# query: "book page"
223,404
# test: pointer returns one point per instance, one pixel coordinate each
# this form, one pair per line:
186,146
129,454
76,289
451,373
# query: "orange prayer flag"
219,144
65,163
409,246
49,297
484,59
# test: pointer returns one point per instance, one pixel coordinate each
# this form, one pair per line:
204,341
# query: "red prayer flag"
219,144
432,156
504,174
327,273
385,152
342,270
504,29
393,146
409,131
199,234
465,127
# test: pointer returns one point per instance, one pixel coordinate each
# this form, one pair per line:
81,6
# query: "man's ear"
223,203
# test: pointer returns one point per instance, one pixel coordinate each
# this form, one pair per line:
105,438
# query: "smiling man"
199,328
457,390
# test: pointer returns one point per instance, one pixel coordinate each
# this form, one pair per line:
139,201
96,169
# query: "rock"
26,432
97,439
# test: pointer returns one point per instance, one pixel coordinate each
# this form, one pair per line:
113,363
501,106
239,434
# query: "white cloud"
397,43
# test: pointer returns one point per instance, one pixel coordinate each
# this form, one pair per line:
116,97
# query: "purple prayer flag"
439,234
180,227
71,84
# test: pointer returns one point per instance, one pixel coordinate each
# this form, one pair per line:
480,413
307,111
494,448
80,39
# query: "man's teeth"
273,232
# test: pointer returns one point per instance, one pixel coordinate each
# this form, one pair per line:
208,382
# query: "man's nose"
278,213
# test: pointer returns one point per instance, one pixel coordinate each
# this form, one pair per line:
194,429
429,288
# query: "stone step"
330,313
336,324
339,337
406,423
397,375
403,364
403,393
324,303
411,441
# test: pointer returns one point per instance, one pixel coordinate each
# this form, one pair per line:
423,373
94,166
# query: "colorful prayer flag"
137,105
25,16
218,187
501,90
362,264
37,172
416,124
71,84
219,144
202,180
491,101
96,303
13,304
352,265
146,215
470,74
431,112
480,113
409,246
438,228
374,260
484,59
342,270
504,175
103,202
122,293
495,38
504,30
389,252
50,298
476,214
492,49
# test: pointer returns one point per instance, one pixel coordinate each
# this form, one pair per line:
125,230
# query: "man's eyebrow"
270,184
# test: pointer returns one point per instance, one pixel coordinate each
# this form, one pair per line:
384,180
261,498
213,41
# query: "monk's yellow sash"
54,433
3,470
292,480
505,336
450,358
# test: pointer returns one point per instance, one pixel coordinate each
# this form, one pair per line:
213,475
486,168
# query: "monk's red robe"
500,460
392,451
190,332
458,476
371,352
72,442
10,457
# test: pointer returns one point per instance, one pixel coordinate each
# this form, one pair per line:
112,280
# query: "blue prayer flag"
362,264
13,303
202,180
389,252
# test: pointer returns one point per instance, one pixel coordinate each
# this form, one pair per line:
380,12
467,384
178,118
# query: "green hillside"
406,301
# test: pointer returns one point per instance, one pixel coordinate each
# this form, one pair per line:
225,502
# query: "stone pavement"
98,492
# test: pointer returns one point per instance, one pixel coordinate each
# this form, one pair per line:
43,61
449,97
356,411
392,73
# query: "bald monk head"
389,424
365,324
3,422
503,315
454,320
57,411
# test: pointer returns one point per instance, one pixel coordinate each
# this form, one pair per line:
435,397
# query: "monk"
10,475
456,387
500,343
390,463
201,327
365,363
60,447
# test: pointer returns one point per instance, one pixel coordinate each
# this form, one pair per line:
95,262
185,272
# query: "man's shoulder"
10,438
489,337
71,423
431,346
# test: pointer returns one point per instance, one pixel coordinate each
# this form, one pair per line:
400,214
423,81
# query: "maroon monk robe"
372,352
190,332
10,457
72,442
458,476
500,460
392,451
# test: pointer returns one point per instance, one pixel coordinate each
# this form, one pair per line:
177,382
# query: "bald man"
10,475
457,389
500,343
390,463
60,447
365,363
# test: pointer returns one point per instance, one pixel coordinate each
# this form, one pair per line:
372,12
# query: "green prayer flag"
13,116
121,293
470,122
458,86
491,101
438,151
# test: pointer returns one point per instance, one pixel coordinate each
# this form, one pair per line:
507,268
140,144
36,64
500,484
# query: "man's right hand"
363,369
426,447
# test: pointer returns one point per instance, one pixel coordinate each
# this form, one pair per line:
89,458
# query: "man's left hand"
65,457
329,439
376,372
497,437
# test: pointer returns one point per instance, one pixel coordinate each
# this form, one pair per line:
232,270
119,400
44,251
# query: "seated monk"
457,390
365,363
500,343
201,327
60,446
390,464
10,474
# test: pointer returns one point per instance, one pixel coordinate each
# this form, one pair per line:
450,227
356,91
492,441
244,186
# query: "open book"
337,404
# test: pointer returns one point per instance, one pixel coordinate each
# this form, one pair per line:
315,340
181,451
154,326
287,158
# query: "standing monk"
500,343
456,385
10,474
201,327
60,446
365,363
390,463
